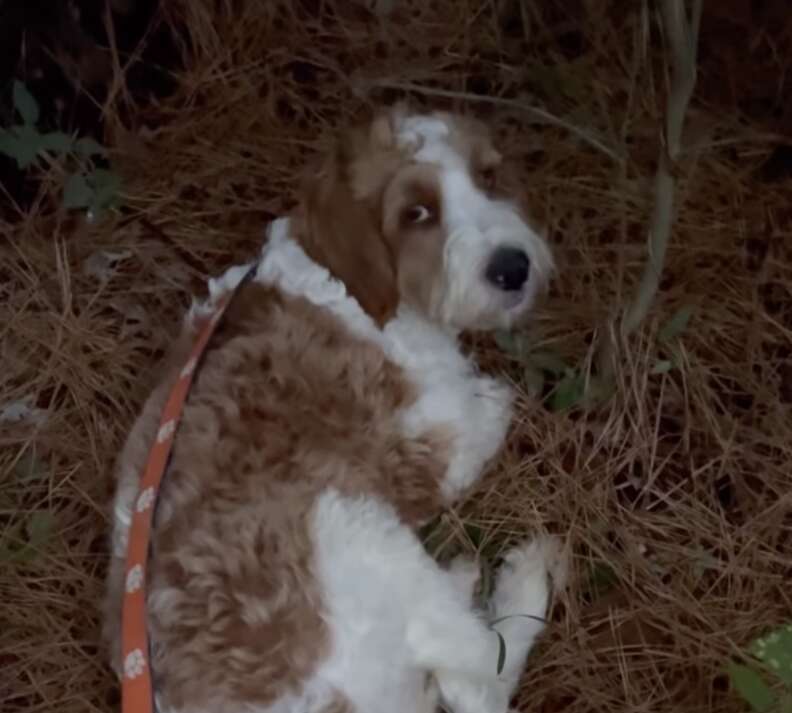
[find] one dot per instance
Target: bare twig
(681, 33)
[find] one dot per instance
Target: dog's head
(408, 210)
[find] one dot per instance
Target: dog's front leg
(465, 654)
(481, 426)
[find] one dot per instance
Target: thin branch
(682, 36)
(540, 115)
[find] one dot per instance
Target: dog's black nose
(508, 269)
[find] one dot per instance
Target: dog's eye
(417, 214)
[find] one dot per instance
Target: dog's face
(408, 211)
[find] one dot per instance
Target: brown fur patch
(286, 405)
(339, 221)
(419, 247)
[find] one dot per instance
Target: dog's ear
(340, 218)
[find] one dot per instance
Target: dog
(333, 415)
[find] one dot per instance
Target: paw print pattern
(134, 579)
(145, 500)
(134, 663)
(189, 368)
(166, 431)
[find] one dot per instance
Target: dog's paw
(526, 575)
(546, 554)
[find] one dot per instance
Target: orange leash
(137, 695)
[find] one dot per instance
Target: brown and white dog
(334, 414)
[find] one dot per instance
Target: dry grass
(675, 496)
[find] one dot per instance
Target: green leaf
(549, 362)
(87, 146)
(676, 325)
(10, 538)
(8, 142)
(105, 197)
(77, 193)
(39, 527)
(703, 560)
(506, 341)
(501, 653)
(662, 366)
(602, 579)
(29, 468)
(568, 392)
(515, 344)
(17, 546)
(56, 141)
(101, 178)
(25, 103)
(750, 685)
(22, 143)
(598, 390)
(106, 193)
(775, 651)
(107, 187)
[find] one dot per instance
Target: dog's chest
(476, 408)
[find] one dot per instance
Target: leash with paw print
(137, 693)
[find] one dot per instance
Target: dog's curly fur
(334, 414)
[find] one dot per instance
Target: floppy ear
(339, 224)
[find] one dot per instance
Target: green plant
(23, 541)
(502, 642)
(86, 186)
(667, 339)
(543, 369)
(765, 682)
(569, 386)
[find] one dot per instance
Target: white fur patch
(476, 408)
(451, 393)
(422, 132)
(286, 266)
(394, 615)
(475, 226)
(371, 568)
(123, 506)
(218, 287)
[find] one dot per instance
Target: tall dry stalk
(681, 34)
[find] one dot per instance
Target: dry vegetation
(674, 495)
